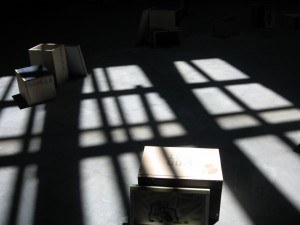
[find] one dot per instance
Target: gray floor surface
(71, 160)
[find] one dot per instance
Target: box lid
(181, 163)
(32, 72)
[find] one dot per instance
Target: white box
(184, 167)
(53, 57)
(154, 205)
(36, 84)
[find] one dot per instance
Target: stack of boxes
(51, 65)
(164, 25)
(177, 185)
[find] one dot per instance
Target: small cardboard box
(53, 57)
(292, 20)
(36, 84)
(184, 167)
(165, 19)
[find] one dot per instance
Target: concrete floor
(71, 160)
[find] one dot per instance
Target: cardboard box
(184, 167)
(36, 84)
(292, 20)
(165, 19)
(168, 205)
(53, 57)
(225, 27)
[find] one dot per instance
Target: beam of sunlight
(89, 114)
(13, 115)
(189, 74)
(7, 181)
(215, 101)
(141, 133)
(294, 136)
(102, 84)
(133, 109)
(127, 77)
(112, 113)
(87, 86)
(171, 129)
(10, 147)
(4, 86)
(27, 204)
(159, 108)
(281, 116)
(129, 166)
(231, 211)
(39, 119)
(219, 70)
(257, 96)
(35, 144)
(13, 90)
(276, 160)
(92, 138)
(98, 200)
(119, 135)
(232, 122)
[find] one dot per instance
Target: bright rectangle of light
(219, 70)
(112, 113)
(39, 119)
(171, 129)
(231, 210)
(100, 191)
(5, 82)
(119, 135)
(215, 101)
(133, 109)
(101, 82)
(141, 133)
(8, 88)
(10, 147)
(257, 96)
(277, 161)
(7, 183)
(89, 114)
(281, 116)
(129, 167)
(294, 136)
(13, 121)
(35, 144)
(160, 110)
(88, 86)
(27, 203)
(232, 122)
(92, 138)
(189, 74)
(127, 77)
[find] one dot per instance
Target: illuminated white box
(36, 84)
(53, 57)
(186, 168)
(154, 205)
